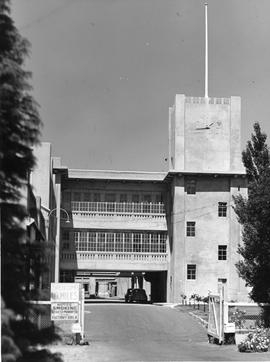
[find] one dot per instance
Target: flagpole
(206, 53)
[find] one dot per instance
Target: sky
(105, 72)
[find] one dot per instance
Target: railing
(84, 255)
(212, 100)
(118, 208)
(246, 316)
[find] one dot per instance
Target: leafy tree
(19, 132)
(254, 215)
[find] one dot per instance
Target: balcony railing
(118, 208)
(94, 256)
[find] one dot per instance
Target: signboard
(64, 311)
(65, 292)
(76, 328)
(65, 301)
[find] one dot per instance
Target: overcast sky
(106, 71)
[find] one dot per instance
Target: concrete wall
(42, 180)
(210, 231)
(42, 173)
(205, 135)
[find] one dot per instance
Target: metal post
(221, 314)
(82, 316)
(58, 221)
(206, 52)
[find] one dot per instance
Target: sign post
(67, 303)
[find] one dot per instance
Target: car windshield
(139, 291)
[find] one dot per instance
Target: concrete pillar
(177, 272)
(147, 287)
(179, 132)
(92, 285)
(140, 282)
(235, 140)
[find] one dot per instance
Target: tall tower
(205, 172)
(205, 135)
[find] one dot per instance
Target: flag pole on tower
(206, 53)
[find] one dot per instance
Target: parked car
(138, 295)
(127, 295)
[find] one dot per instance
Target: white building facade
(172, 233)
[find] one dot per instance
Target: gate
(216, 317)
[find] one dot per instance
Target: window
(77, 196)
(67, 276)
(222, 280)
(123, 197)
(127, 242)
(163, 243)
(146, 203)
(96, 197)
(110, 199)
(80, 238)
(190, 228)
(222, 252)
(65, 245)
(191, 187)
(66, 196)
(147, 198)
(83, 241)
(119, 242)
(65, 235)
(92, 244)
(137, 243)
(101, 241)
(154, 243)
(86, 196)
(76, 235)
(135, 198)
(110, 242)
(191, 271)
(145, 243)
(158, 198)
(222, 209)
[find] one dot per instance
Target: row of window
(192, 273)
(222, 255)
(116, 241)
(191, 186)
(111, 197)
(191, 225)
(117, 207)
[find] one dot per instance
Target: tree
(19, 132)
(254, 215)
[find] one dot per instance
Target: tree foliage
(254, 215)
(19, 132)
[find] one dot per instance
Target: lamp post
(67, 220)
(58, 211)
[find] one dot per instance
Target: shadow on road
(109, 300)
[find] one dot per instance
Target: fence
(41, 314)
(246, 316)
(226, 318)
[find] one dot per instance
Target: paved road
(125, 332)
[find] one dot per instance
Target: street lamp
(57, 239)
(67, 220)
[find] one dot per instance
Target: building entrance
(104, 284)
